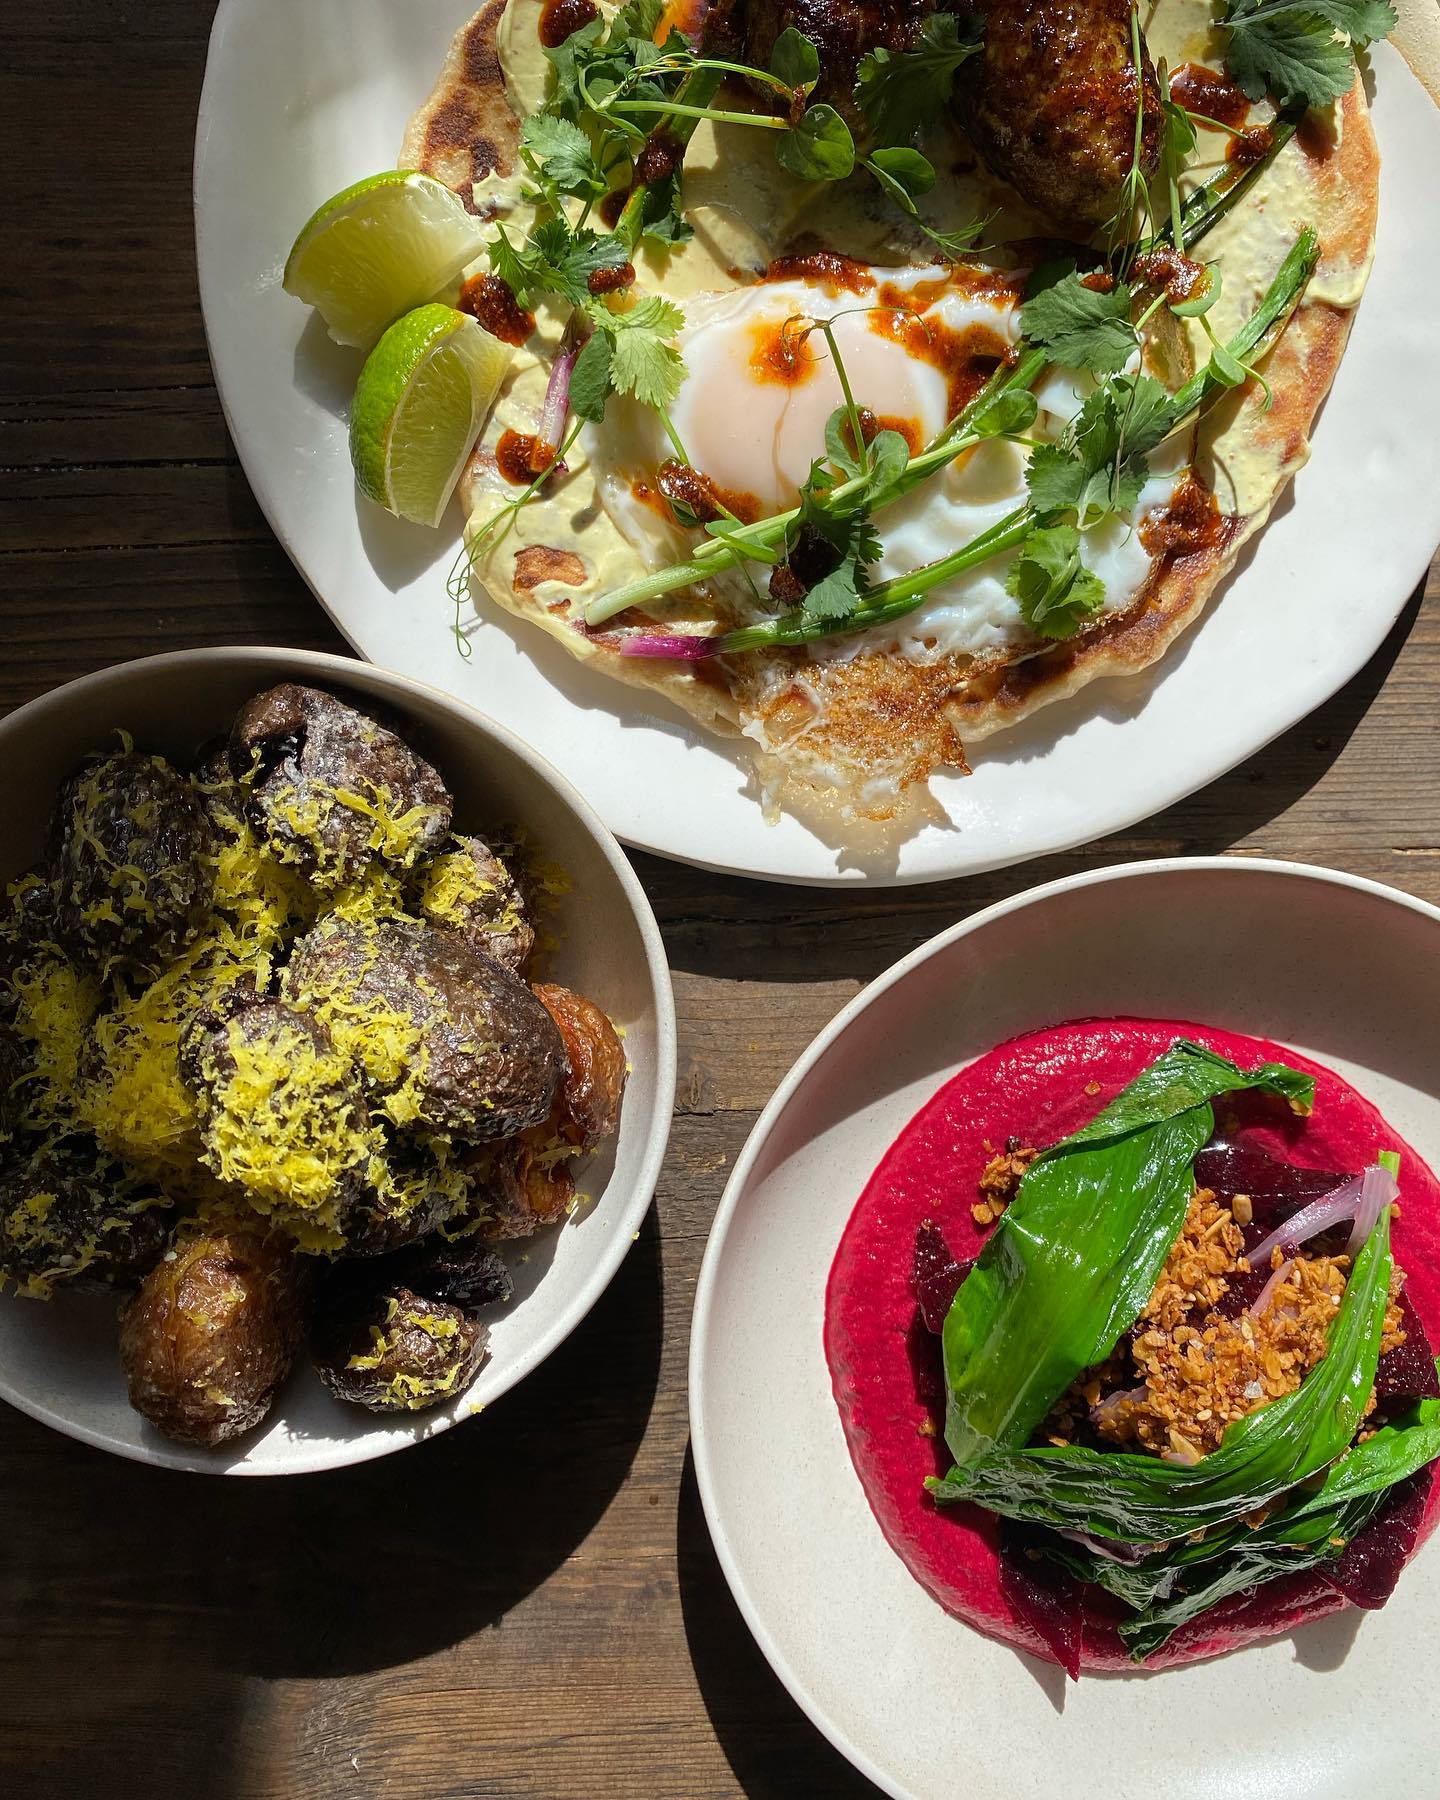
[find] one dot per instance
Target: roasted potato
(282, 1116)
(330, 789)
(410, 1190)
(469, 890)
(465, 1271)
(72, 1217)
(210, 1336)
(453, 1041)
(130, 863)
(587, 1109)
(395, 1351)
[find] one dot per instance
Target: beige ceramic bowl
(58, 1360)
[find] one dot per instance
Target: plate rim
(633, 1206)
(231, 15)
(763, 1128)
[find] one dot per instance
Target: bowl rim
(755, 1143)
(325, 666)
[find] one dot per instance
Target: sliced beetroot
(1049, 1599)
(925, 1366)
(1410, 1368)
(1367, 1571)
(935, 1275)
(1277, 1190)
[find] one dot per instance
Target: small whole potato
(396, 1351)
(211, 1334)
(587, 1108)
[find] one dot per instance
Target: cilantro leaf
(1099, 468)
(1082, 327)
(554, 260)
(590, 378)
(559, 155)
(636, 19)
(1291, 51)
(643, 360)
(901, 92)
(1057, 593)
(818, 148)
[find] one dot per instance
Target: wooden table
(528, 1606)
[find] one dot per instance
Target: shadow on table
(765, 932)
(148, 1601)
(773, 1749)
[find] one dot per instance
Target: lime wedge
(419, 405)
(378, 249)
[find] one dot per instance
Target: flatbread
(865, 732)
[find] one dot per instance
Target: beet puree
(1040, 1088)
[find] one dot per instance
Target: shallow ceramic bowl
(1343, 970)
(58, 1361)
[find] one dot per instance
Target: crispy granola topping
(1187, 1372)
(1001, 1179)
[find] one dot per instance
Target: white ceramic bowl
(58, 1361)
(1343, 970)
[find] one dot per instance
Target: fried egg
(914, 346)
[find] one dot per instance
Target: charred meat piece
(70, 1217)
(330, 789)
(395, 1351)
(282, 1116)
(1050, 102)
(452, 1040)
(843, 31)
(130, 871)
(210, 1336)
(588, 1107)
(469, 890)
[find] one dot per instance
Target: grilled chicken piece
(1049, 102)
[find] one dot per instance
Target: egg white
(758, 436)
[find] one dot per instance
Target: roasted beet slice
(1277, 1190)
(1409, 1369)
(935, 1275)
(1048, 1598)
(1367, 1571)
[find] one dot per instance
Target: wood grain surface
(528, 1606)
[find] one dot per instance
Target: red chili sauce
(560, 19)
(1040, 1088)
(493, 303)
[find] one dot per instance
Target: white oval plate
(1341, 969)
(301, 100)
(58, 1360)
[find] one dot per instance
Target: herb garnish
(1290, 48)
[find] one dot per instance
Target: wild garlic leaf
(1079, 1250)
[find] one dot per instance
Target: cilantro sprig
(1301, 50)
(903, 92)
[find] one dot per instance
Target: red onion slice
(554, 414)
(1320, 1215)
(1378, 1189)
(675, 647)
(1260, 1304)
